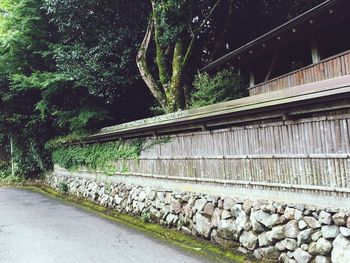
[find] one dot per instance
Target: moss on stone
(189, 243)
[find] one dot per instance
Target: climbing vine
(96, 157)
(101, 157)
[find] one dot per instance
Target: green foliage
(4, 170)
(171, 17)
(224, 86)
(178, 18)
(101, 157)
(6, 176)
(63, 187)
(96, 157)
(25, 76)
(99, 43)
(145, 217)
(157, 110)
(60, 141)
(37, 101)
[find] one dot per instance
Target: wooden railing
(329, 68)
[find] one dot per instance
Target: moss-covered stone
(201, 247)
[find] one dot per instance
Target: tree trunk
(171, 89)
(175, 94)
(141, 61)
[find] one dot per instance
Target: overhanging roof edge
(297, 20)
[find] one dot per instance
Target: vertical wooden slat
(330, 68)
(294, 140)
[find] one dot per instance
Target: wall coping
(307, 94)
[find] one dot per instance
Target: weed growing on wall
(145, 217)
(63, 187)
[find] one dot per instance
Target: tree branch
(206, 19)
(141, 61)
(221, 38)
(162, 65)
(188, 53)
(196, 32)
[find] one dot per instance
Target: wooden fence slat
(314, 151)
(332, 67)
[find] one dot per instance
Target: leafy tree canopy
(37, 101)
(99, 41)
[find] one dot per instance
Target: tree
(37, 101)
(99, 40)
(186, 34)
(175, 26)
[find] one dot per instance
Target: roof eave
(271, 34)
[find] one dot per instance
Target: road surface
(35, 228)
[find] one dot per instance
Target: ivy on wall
(101, 157)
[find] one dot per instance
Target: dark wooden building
(311, 47)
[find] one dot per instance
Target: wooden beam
(251, 78)
(315, 51)
(272, 65)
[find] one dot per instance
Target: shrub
(5, 170)
(6, 176)
(63, 187)
(224, 86)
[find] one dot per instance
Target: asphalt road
(37, 229)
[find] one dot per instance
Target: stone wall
(271, 230)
